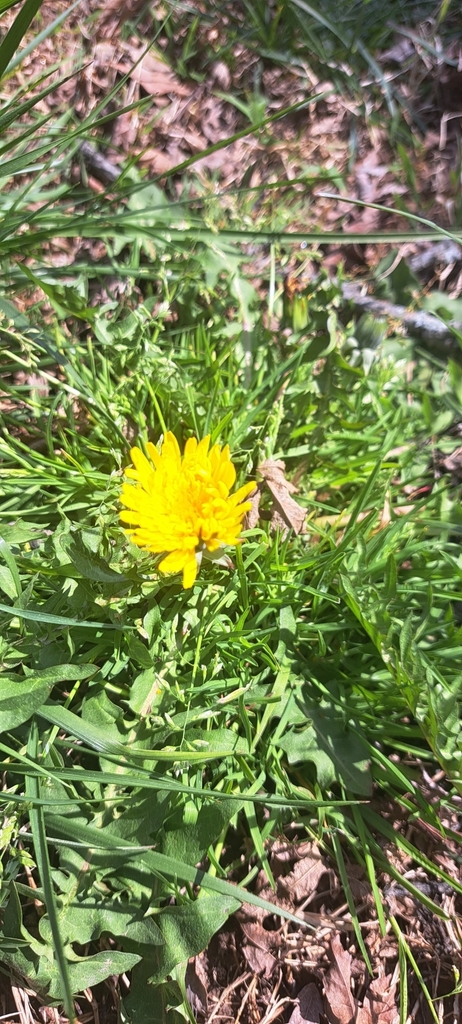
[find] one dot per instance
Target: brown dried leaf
(154, 76)
(115, 13)
(257, 951)
(160, 161)
(252, 516)
(289, 511)
(125, 131)
(258, 936)
(197, 983)
(260, 961)
(342, 1005)
(380, 1003)
(304, 879)
(310, 1006)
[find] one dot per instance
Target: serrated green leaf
(101, 839)
(90, 565)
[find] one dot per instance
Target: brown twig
(427, 328)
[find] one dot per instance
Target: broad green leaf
(20, 697)
(93, 969)
(190, 842)
(146, 1004)
(99, 839)
(144, 693)
(88, 915)
(338, 752)
(8, 557)
(187, 930)
(7, 583)
(89, 564)
(22, 955)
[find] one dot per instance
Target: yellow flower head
(181, 504)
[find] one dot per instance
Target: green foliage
(161, 713)
(145, 729)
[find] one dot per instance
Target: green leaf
(20, 532)
(144, 693)
(98, 739)
(93, 839)
(90, 565)
(148, 1005)
(20, 957)
(20, 698)
(338, 751)
(9, 310)
(94, 969)
(190, 842)
(6, 553)
(187, 930)
(89, 914)
(37, 824)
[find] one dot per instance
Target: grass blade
(39, 836)
(18, 29)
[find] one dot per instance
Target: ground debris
(285, 513)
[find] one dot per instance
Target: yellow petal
(175, 561)
(190, 572)
(153, 453)
(172, 502)
(171, 449)
(190, 446)
(240, 494)
(203, 445)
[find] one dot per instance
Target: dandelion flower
(181, 506)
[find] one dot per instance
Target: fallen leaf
(116, 13)
(337, 987)
(197, 980)
(252, 516)
(161, 161)
(257, 950)
(380, 1003)
(260, 962)
(303, 879)
(154, 75)
(125, 131)
(310, 1006)
(287, 513)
